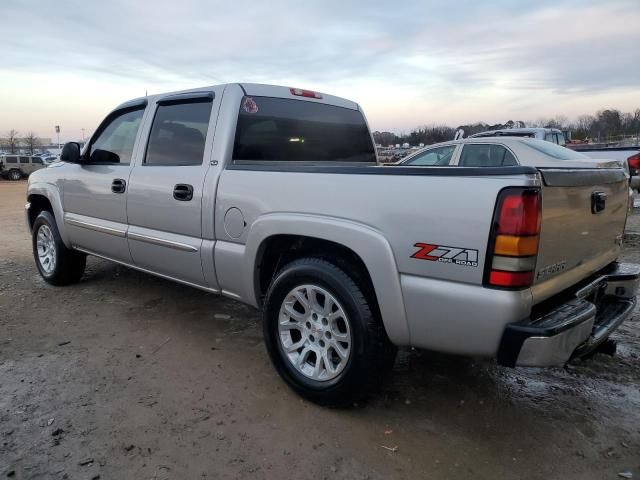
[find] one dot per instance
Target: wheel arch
(280, 236)
(44, 196)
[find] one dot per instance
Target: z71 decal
(441, 253)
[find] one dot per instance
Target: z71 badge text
(467, 257)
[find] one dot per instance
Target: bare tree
(32, 142)
(11, 141)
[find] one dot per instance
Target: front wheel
(322, 335)
(57, 264)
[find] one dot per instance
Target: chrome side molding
(118, 232)
(162, 242)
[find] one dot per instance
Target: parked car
(16, 167)
(272, 196)
(500, 152)
(630, 155)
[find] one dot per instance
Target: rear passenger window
(287, 130)
(178, 134)
(487, 155)
(24, 159)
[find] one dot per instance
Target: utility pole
(58, 133)
(82, 136)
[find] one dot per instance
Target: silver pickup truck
(272, 196)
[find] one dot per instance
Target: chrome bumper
(575, 326)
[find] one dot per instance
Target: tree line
(606, 125)
(12, 142)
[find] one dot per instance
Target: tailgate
(584, 211)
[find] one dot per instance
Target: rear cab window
(281, 130)
(24, 159)
(486, 155)
(11, 159)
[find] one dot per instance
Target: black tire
(15, 175)
(371, 355)
(69, 264)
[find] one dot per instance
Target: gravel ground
(129, 376)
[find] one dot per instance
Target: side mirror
(70, 152)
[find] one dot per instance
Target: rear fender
(369, 244)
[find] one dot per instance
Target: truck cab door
(95, 191)
(167, 189)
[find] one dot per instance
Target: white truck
(273, 196)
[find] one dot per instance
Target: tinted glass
(24, 159)
(435, 156)
(36, 160)
(178, 134)
(12, 159)
(277, 129)
(115, 143)
(488, 155)
(553, 150)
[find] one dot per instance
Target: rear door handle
(183, 192)
(118, 185)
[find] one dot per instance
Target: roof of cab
(255, 89)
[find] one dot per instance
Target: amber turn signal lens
(515, 246)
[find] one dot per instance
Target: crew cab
(272, 196)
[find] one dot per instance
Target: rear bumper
(573, 326)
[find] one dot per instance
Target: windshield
(553, 150)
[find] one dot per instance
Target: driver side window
(440, 156)
(115, 142)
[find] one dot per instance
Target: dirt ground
(127, 376)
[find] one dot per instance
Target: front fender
(369, 244)
(53, 194)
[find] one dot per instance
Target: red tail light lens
(510, 279)
(519, 212)
(511, 256)
(634, 161)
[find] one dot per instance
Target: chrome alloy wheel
(46, 249)
(314, 332)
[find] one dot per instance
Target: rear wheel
(321, 333)
(57, 264)
(15, 175)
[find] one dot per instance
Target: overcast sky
(407, 63)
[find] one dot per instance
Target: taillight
(305, 93)
(513, 246)
(634, 162)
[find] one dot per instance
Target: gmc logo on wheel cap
(467, 257)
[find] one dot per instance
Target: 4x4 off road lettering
(445, 254)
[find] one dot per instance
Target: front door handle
(183, 192)
(118, 185)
